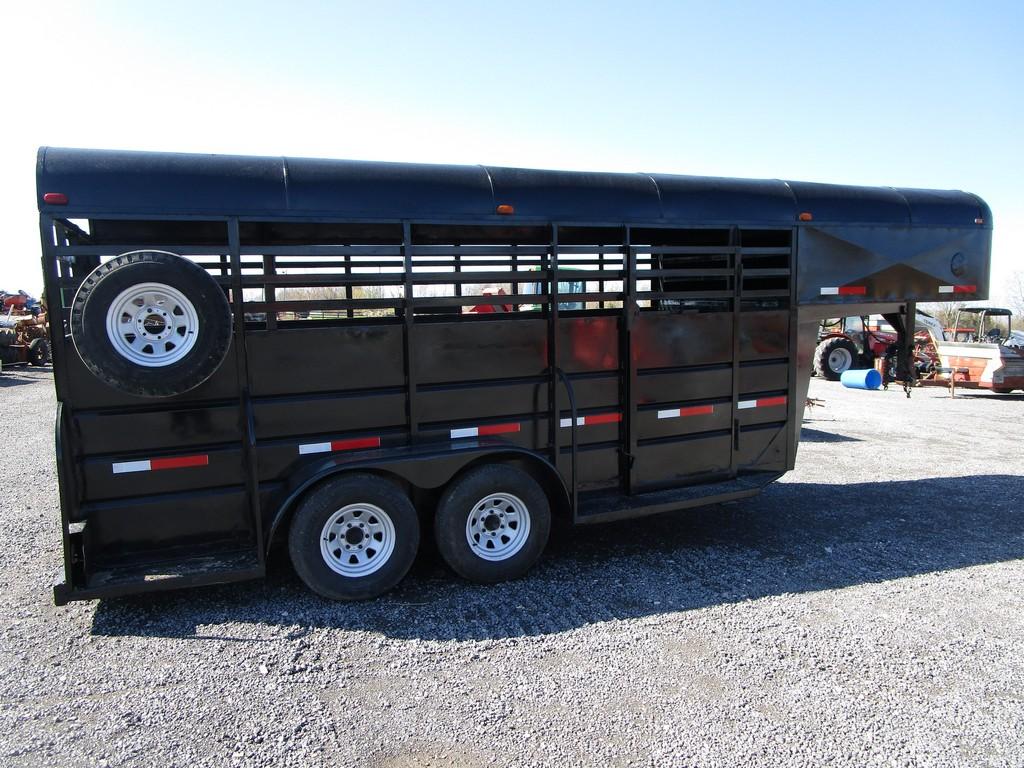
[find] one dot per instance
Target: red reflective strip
(697, 410)
(357, 442)
(853, 290)
(177, 462)
(764, 402)
(965, 289)
(497, 429)
(602, 418)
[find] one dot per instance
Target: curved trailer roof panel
(161, 183)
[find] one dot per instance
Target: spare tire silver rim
(152, 325)
(498, 526)
(357, 540)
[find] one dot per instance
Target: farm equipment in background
(977, 352)
(980, 353)
(20, 303)
(860, 340)
(24, 332)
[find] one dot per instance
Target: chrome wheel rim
(840, 360)
(498, 526)
(357, 540)
(152, 325)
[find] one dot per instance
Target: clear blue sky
(915, 94)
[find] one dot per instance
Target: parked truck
(250, 351)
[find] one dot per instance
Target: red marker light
(506, 210)
(805, 216)
(979, 220)
(55, 198)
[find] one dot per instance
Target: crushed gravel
(865, 610)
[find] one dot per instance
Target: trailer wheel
(833, 356)
(150, 323)
(39, 352)
(492, 523)
(354, 537)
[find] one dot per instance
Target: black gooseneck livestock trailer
(336, 354)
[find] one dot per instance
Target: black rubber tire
(825, 349)
(39, 352)
(105, 283)
(457, 504)
(313, 513)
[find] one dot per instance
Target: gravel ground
(866, 610)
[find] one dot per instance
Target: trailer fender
(427, 467)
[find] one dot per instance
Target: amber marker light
(506, 210)
(805, 216)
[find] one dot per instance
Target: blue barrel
(869, 378)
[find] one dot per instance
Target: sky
(893, 94)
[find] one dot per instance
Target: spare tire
(151, 323)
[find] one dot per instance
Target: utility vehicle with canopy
(983, 351)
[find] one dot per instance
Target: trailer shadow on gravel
(795, 537)
(808, 435)
(15, 376)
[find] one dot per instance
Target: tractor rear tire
(834, 356)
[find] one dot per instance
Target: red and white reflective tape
(958, 289)
(487, 429)
(762, 402)
(340, 445)
(692, 410)
(589, 421)
(152, 465)
(845, 290)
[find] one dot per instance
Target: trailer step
(606, 508)
(194, 571)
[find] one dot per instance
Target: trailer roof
(161, 183)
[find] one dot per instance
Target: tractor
(24, 333)
(859, 340)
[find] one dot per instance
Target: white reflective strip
(565, 423)
(467, 432)
(746, 404)
(945, 289)
(131, 466)
(580, 421)
(315, 448)
(671, 413)
(830, 291)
